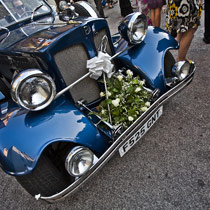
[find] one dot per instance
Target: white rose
(124, 87)
(116, 102)
(108, 93)
(144, 109)
(142, 82)
(129, 73)
(147, 104)
(102, 94)
(120, 77)
(130, 118)
(103, 111)
(137, 89)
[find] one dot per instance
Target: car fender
(147, 58)
(24, 135)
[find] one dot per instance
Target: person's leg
(152, 16)
(207, 20)
(125, 7)
(184, 40)
(109, 3)
(57, 4)
(99, 8)
(157, 16)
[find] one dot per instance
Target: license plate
(140, 133)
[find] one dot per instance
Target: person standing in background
(111, 3)
(125, 7)
(155, 7)
(99, 7)
(144, 9)
(182, 20)
(206, 37)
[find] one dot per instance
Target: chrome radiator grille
(72, 65)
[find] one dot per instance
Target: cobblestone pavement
(169, 169)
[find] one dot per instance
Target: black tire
(169, 61)
(45, 179)
(82, 11)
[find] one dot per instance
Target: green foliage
(127, 99)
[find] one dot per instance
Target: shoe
(110, 6)
(207, 41)
(115, 2)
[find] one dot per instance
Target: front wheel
(45, 179)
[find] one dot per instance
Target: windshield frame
(22, 19)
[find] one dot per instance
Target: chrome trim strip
(119, 142)
(71, 85)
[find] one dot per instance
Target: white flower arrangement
(125, 99)
(116, 102)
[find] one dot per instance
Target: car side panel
(24, 135)
(147, 58)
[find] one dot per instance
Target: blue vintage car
(48, 139)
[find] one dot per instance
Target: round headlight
(181, 69)
(78, 161)
(133, 28)
(33, 90)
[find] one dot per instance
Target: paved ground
(169, 169)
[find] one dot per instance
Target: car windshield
(12, 11)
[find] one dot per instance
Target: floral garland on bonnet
(126, 98)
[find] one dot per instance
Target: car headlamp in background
(78, 161)
(133, 28)
(33, 90)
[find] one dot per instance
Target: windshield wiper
(8, 33)
(34, 10)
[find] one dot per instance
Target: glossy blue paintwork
(24, 135)
(2, 96)
(32, 132)
(147, 58)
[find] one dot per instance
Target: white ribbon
(99, 64)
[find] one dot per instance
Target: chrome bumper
(119, 142)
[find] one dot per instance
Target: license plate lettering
(131, 141)
(137, 136)
(141, 132)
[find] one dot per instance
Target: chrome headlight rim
(70, 158)
(126, 28)
(19, 81)
(182, 69)
(131, 25)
